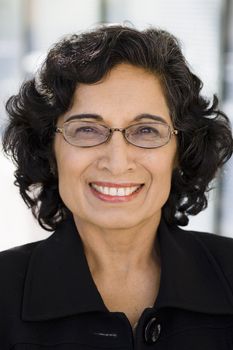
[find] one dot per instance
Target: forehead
(125, 92)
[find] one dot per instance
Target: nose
(117, 155)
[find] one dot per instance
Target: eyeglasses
(89, 134)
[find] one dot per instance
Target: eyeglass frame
(60, 130)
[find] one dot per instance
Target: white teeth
(121, 191)
(127, 191)
(111, 191)
(115, 191)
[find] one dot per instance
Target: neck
(120, 250)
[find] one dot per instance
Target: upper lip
(111, 184)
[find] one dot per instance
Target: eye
(86, 129)
(145, 129)
(81, 129)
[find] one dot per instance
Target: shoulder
(218, 247)
(13, 267)
(221, 248)
(16, 257)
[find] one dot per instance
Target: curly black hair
(204, 139)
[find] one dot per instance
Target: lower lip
(115, 199)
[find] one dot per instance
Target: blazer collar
(59, 283)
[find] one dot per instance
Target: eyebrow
(98, 117)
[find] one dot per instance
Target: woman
(115, 146)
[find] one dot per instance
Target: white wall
(17, 226)
(50, 20)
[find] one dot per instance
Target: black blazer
(48, 300)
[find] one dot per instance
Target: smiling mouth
(116, 191)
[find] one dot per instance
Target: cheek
(160, 165)
(160, 186)
(70, 168)
(68, 158)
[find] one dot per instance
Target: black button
(152, 331)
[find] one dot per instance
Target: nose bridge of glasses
(121, 130)
(117, 129)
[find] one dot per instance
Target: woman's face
(125, 93)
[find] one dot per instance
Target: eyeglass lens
(84, 134)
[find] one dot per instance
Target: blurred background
(28, 28)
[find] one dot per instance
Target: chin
(114, 222)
